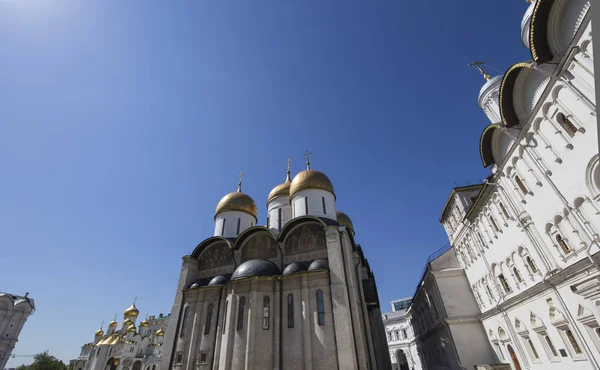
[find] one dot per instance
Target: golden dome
(131, 329)
(280, 190)
(160, 333)
(344, 220)
(237, 201)
(131, 311)
(127, 322)
(99, 333)
(113, 323)
(145, 323)
(310, 179)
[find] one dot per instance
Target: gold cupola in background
(281, 189)
(132, 311)
(99, 332)
(160, 332)
(344, 220)
(131, 329)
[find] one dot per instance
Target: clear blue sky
(124, 123)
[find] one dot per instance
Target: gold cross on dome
(134, 300)
(307, 156)
(478, 65)
(289, 162)
(241, 175)
(101, 325)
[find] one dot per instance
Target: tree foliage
(44, 361)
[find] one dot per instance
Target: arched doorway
(513, 357)
(401, 360)
(137, 365)
(111, 363)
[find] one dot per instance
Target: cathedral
(126, 347)
(527, 237)
(297, 293)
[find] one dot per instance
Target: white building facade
(14, 312)
(128, 347)
(401, 337)
(528, 236)
(297, 293)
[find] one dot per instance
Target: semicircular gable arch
(538, 32)
(288, 227)
(257, 243)
(207, 242)
(485, 145)
(508, 112)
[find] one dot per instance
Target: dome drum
(230, 224)
(313, 202)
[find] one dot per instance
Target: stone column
(196, 330)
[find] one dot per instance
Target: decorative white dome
(489, 99)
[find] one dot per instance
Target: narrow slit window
(494, 225)
(573, 342)
(533, 350)
(279, 221)
(562, 243)
(504, 283)
(186, 314)
(503, 209)
(306, 205)
(566, 124)
(521, 185)
(320, 308)
(268, 222)
(241, 310)
(290, 311)
(324, 208)
(223, 227)
(208, 322)
(551, 346)
(238, 226)
(225, 317)
(266, 307)
(531, 265)
(517, 275)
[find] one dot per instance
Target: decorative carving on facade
(260, 245)
(216, 255)
(305, 239)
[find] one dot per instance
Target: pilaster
(344, 334)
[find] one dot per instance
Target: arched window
(517, 275)
(186, 313)
(320, 308)
(573, 342)
(241, 310)
(531, 265)
(503, 209)
(521, 185)
(550, 345)
(290, 311)
(533, 350)
(493, 223)
(225, 317)
(266, 306)
(504, 283)
(566, 124)
(207, 324)
(562, 243)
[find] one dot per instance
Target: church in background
(14, 312)
(527, 237)
(125, 346)
(296, 293)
